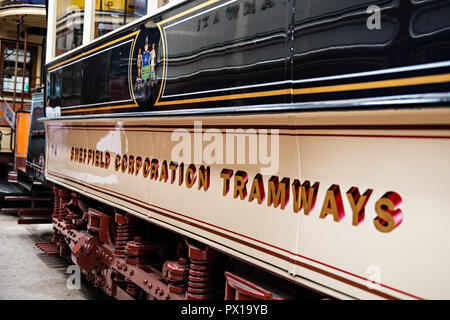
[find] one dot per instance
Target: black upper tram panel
(206, 54)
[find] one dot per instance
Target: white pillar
(152, 5)
(89, 21)
(38, 65)
(51, 31)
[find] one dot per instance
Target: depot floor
(28, 273)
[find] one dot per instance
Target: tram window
(234, 46)
(69, 25)
(8, 69)
(332, 37)
(111, 14)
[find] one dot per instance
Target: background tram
(22, 70)
(251, 149)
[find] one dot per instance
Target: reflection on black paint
(239, 44)
(108, 76)
(332, 38)
(70, 84)
(253, 46)
(432, 19)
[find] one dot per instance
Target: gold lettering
(90, 156)
(181, 174)
(257, 191)
(304, 196)
(102, 162)
(240, 185)
(173, 167)
(131, 164)
(146, 168)
(226, 176)
(116, 163)
(124, 163)
(203, 178)
(138, 164)
(278, 192)
(154, 169)
(358, 204)
(164, 173)
(97, 158)
(389, 216)
(333, 204)
(191, 175)
(107, 159)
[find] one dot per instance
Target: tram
(254, 149)
(22, 33)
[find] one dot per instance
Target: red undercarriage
(109, 252)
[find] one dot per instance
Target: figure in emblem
(145, 86)
(139, 63)
(145, 69)
(139, 67)
(153, 62)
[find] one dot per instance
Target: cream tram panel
(412, 163)
(6, 137)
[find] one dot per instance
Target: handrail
(15, 3)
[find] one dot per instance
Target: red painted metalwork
(120, 263)
(55, 203)
(177, 275)
(55, 215)
(99, 223)
(27, 203)
(238, 288)
(34, 220)
(63, 200)
(136, 251)
(74, 212)
(201, 273)
(124, 233)
(84, 252)
(100, 264)
(34, 216)
(48, 247)
(26, 198)
(31, 212)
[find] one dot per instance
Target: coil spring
(135, 252)
(200, 285)
(178, 274)
(124, 234)
(62, 204)
(56, 203)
